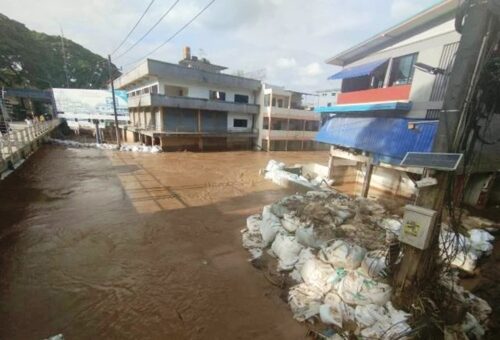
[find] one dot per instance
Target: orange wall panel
(401, 92)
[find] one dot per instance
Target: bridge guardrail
(16, 139)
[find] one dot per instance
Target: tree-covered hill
(33, 59)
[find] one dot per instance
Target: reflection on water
(99, 244)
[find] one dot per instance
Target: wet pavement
(101, 244)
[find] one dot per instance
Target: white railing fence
(17, 139)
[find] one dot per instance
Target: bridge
(20, 142)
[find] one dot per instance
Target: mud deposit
(108, 245)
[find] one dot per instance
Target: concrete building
(392, 92)
(190, 105)
(283, 123)
(327, 97)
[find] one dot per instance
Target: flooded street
(109, 245)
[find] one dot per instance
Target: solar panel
(432, 160)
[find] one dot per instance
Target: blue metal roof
(358, 71)
(387, 139)
(385, 106)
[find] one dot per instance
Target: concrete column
(367, 180)
(199, 121)
(330, 164)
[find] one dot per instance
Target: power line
(149, 31)
(174, 35)
(135, 26)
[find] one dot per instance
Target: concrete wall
(231, 116)
(429, 46)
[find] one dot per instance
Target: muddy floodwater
(108, 245)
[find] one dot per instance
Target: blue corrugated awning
(358, 71)
(387, 139)
(385, 106)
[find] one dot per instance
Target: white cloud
(285, 63)
(311, 70)
(287, 38)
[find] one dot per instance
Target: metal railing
(18, 138)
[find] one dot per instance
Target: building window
(240, 123)
(279, 124)
(296, 125)
(265, 123)
(267, 99)
(154, 89)
(240, 98)
(402, 69)
(333, 94)
(312, 125)
(280, 102)
(217, 95)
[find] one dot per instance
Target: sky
(284, 41)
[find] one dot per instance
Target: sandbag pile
(464, 251)
(322, 240)
(333, 247)
(105, 146)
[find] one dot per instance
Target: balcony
(290, 135)
(191, 103)
(385, 94)
(281, 112)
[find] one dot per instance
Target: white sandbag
(287, 250)
(335, 311)
(304, 301)
(255, 253)
(373, 264)
(478, 307)
(269, 226)
(342, 254)
(273, 165)
(291, 223)
(304, 255)
(314, 236)
(316, 273)
(391, 224)
(252, 240)
(481, 240)
(368, 315)
(253, 223)
(472, 328)
(337, 277)
(357, 289)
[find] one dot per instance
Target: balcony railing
(191, 103)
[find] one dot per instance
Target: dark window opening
(154, 89)
(240, 98)
(372, 81)
(296, 125)
(217, 95)
(265, 123)
(241, 123)
(402, 70)
(279, 124)
(312, 125)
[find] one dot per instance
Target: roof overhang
(421, 22)
(401, 106)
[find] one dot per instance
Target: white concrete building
(190, 105)
(326, 97)
(284, 124)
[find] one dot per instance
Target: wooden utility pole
(418, 267)
(114, 101)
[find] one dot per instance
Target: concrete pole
(418, 267)
(114, 101)
(367, 179)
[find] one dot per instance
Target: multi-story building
(393, 87)
(190, 105)
(327, 97)
(284, 124)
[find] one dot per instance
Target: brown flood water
(105, 245)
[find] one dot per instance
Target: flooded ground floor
(113, 245)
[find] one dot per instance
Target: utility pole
(114, 101)
(418, 267)
(65, 63)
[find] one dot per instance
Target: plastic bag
(304, 301)
(316, 273)
(335, 311)
(287, 250)
(358, 289)
(253, 223)
(342, 254)
(270, 225)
